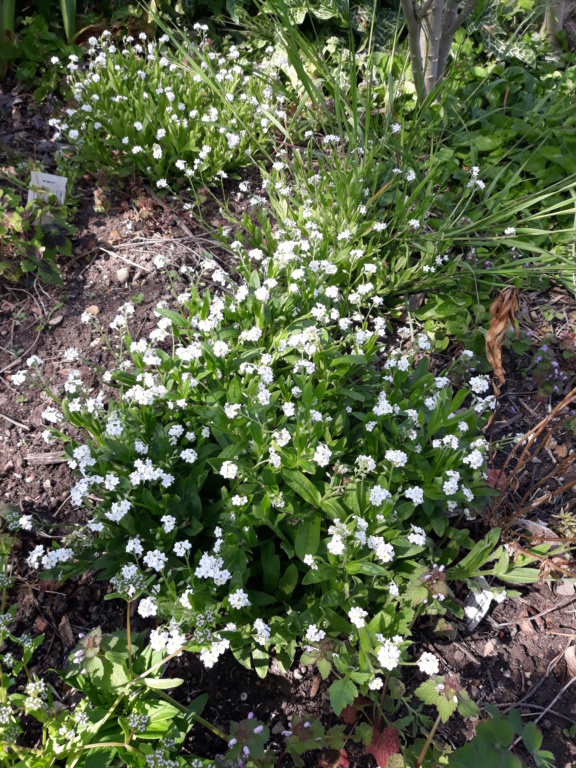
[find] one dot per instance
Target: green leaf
(261, 661)
(349, 360)
(427, 692)
(303, 486)
(342, 693)
(324, 667)
(307, 536)
(160, 683)
(532, 738)
(368, 569)
(477, 556)
(446, 708)
(289, 580)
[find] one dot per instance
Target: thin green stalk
(128, 604)
(198, 718)
(427, 743)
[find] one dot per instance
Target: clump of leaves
(493, 740)
(32, 236)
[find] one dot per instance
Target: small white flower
(429, 664)
(229, 470)
(357, 616)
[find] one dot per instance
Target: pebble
(123, 275)
(458, 656)
(297, 674)
(565, 588)
(243, 696)
(507, 673)
(546, 723)
(278, 728)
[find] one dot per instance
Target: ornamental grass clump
(266, 472)
(139, 109)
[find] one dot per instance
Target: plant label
(54, 185)
(477, 603)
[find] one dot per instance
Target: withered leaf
(503, 311)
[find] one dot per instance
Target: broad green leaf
(307, 536)
(302, 485)
(161, 683)
(342, 693)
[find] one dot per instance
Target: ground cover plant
(274, 415)
(139, 111)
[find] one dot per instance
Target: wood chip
(66, 632)
(570, 656)
(46, 458)
(315, 685)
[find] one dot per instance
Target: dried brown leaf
(502, 310)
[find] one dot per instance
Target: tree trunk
(554, 20)
(432, 26)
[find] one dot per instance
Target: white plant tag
(55, 185)
(477, 603)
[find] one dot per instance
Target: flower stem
(427, 744)
(382, 697)
(128, 604)
(197, 718)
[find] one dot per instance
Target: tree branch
(423, 10)
(462, 16)
(414, 44)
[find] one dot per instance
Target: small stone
(95, 342)
(507, 673)
(93, 310)
(547, 724)
(243, 696)
(489, 648)
(56, 320)
(458, 656)
(278, 728)
(297, 674)
(565, 588)
(123, 275)
(47, 484)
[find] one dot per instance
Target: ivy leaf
(324, 667)
(342, 693)
(466, 707)
(446, 708)
(427, 692)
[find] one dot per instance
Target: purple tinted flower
(246, 751)
(250, 715)
(232, 742)
(259, 729)
(544, 347)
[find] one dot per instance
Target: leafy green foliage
(492, 741)
(32, 236)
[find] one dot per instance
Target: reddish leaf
(350, 713)
(496, 479)
(384, 744)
